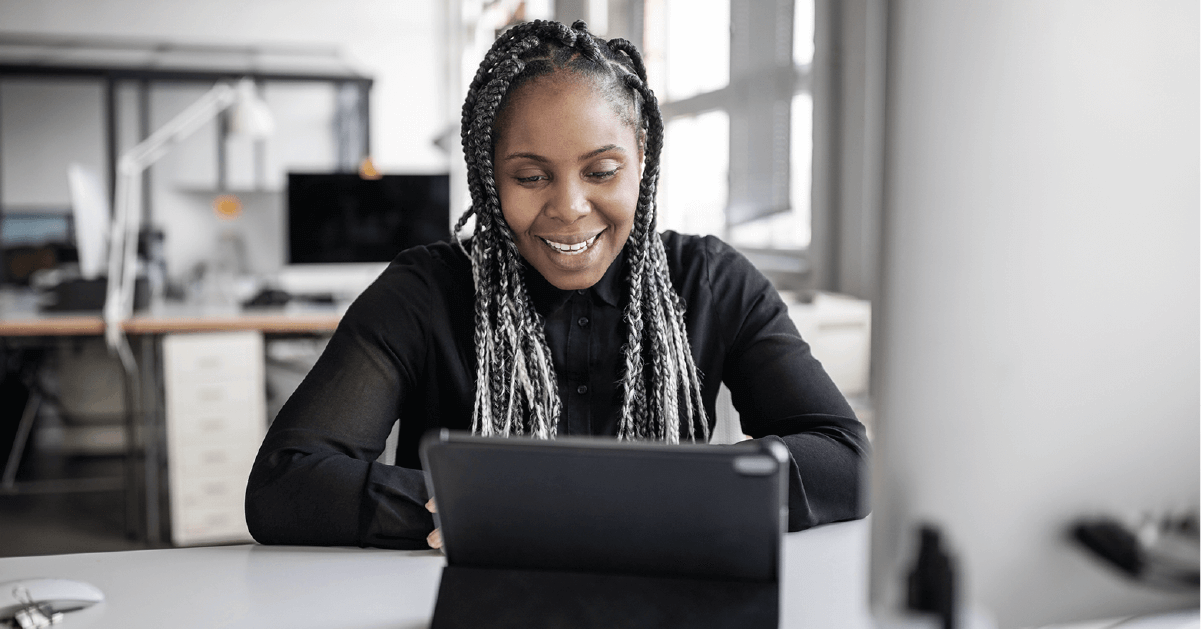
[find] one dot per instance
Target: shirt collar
(548, 298)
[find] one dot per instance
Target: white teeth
(571, 250)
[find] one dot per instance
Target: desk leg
(32, 404)
(150, 380)
(133, 500)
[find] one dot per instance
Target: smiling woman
(565, 313)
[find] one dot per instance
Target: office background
(751, 183)
(798, 178)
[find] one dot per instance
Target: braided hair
(515, 380)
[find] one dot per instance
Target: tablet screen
(599, 505)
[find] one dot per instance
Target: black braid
(515, 381)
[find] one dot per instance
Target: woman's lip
(572, 250)
(574, 239)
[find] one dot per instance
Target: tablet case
(592, 532)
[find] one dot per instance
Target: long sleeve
(316, 479)
(780, 390)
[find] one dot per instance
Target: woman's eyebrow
(586, 156)
(530, 156)
(603, 149)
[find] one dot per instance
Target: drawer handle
(212, 424)
(211, 394)
(210, 362)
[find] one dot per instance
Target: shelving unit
(121, 74)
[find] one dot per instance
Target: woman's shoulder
(687, 253)
(441, 264)
(438, 258)
(422, 277)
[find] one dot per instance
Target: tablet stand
(524, 599)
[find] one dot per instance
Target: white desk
(291, 587)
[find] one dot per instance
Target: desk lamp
(249, 116)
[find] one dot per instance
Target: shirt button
(582, 389)
(583, 321)
(582, 291)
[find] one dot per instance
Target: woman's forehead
(548, 115)
(564, 87)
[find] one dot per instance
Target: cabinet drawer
(213, 357)
(198, 526)
(197, 399)
(217, 460)
(223, 492)
(215, 428)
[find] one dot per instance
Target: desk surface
(824, 584)
(19, 316)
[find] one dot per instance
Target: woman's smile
(561, 245)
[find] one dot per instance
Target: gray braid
(516, 385)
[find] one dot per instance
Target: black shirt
(405, 350)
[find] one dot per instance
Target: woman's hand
(434, 539)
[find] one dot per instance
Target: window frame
(760, 180)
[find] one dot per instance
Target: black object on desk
(276, 298)
(83, 295)
(582, 532)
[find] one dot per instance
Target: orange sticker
(367, 169)
(228, 206)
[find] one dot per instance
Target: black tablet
(600, 505)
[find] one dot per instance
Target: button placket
(579, 349)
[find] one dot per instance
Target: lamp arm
(127, 218)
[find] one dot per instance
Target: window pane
(697, 49)
(695, 174)
(802, 32)
(791, 229)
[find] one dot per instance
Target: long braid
(516, 385)
(682, 388)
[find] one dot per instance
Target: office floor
(51, 524)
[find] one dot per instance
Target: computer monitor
(342, 217)
(343, 229)
(1037, 342)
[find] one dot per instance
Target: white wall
(35, 165)
(1039, 327)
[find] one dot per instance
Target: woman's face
(567, 170)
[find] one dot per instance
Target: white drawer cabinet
(216, 416)
(838, 329)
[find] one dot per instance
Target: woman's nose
(569, 202)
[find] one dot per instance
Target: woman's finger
(430, 506)
(434, 539)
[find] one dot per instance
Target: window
(733, 80)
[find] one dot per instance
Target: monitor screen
(342, 217)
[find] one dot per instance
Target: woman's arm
(316, 479)
(782, 392)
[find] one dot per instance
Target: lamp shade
(249, 115)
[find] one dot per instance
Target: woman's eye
(602, 174)
(529, 178)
